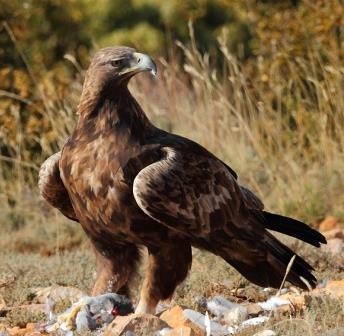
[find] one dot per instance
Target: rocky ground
(220, 308)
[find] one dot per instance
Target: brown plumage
(130, 184)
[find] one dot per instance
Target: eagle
(132, 185)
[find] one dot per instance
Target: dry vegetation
(281, 129)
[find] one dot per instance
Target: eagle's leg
(115, 267)
(168, 266)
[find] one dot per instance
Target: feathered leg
(168, 266)
(115, 267)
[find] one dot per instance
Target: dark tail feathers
(293, 228)
(269, 272)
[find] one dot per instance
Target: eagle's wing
(198, 196)
(251, 200)
(52, 188)
(193, 194)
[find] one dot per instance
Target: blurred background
(258, 82)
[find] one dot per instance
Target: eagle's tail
(269, 271)
(293, 228)
(265, 262)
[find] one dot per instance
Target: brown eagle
(130, 184)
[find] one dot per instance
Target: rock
(32, 326)
(334, 233)
(176, 317)
(196, 321)
(161, 307)
(184, 331)
(57, 293)
(266, 332)
(334, 246)
(284, 291)
(335, 288)
(235, 315)
(297, 300)
(273, 303)
(329, 223)
(253, 309)
(254, 321)
(219, 306)
(163, 332)
(137, 324)
(16, 331)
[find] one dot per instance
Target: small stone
(219, 306)
(287, 308)
(334, 246)
(334, 233)
(16, 331)
(164, 331)
(228, 283)
(235, 315)
(254, 321)
(298, 301)
(161, 307)
(137, 324)
(254, 309)
(328, 224)
(266, 332)
(335, 288)
(31, 326)
(196, 321)
(273, 303)
(240, 291)
(174, 317)
(184, 331)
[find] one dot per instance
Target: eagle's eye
(116, 62)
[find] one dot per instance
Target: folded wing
(52, 188)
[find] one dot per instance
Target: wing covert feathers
(198, 197)
(52, 188)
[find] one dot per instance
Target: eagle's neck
(116, 110)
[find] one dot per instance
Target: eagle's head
(114, 66)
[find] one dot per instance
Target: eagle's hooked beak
(140, 62)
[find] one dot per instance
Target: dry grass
(282, 130)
